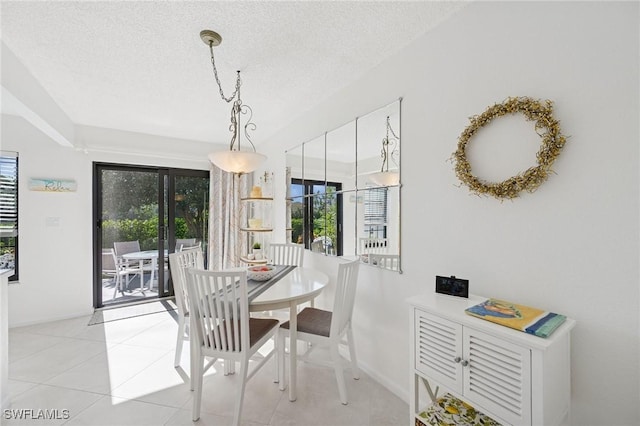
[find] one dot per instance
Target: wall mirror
(343, 190)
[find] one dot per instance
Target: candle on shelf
(256, 192)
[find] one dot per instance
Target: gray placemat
(256, 288)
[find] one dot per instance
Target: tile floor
(122, 373)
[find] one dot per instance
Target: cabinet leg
(433, 395)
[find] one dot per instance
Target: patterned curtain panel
(226, 215)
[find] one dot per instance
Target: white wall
(571, 247)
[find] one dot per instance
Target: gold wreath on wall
(547, 127)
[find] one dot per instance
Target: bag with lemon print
(450, 411)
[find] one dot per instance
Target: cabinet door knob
(457, 359)
(465, 363)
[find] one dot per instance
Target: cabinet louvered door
(498, 376)
(438, 344)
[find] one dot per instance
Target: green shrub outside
(145, 231)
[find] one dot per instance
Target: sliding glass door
(142, 214)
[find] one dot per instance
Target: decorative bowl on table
(261, 272)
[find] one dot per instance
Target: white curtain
(226, 216)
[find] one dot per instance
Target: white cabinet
(513, 377)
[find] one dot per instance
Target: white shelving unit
(259, 225)
(513, 377)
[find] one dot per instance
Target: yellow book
(524, 318)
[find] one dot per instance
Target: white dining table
(300, 285)
(142, 257)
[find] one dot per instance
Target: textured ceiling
(141, 66)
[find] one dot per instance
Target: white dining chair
(184, 242)
(184, 247)
(385, 261)
(178, 264)
(219, 310)
(117, 269)
(286, 254)
(373, 245)
(328, 328)
(125, 247)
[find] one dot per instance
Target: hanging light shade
(235, 159)
(386, 177)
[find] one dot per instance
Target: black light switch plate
(452, 286)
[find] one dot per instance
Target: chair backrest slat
(287, 254)
(179, 263)
(220, 308)
(346, 284)
(373, 245)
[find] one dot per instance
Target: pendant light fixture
(388, 153)
(235, 159)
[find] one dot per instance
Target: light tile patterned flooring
(122, 373)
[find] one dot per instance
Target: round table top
(146, 254)
(300, 285)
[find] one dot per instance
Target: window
(375, 213)
(316, 215)
(9, 212)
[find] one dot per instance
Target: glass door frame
(166, 220)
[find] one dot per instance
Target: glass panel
(379, 147)
(190, 217)
(351, 201)
(129, 214)
(191, 220)
(314, 160)
(321, 242)
(294, 161)
(297, 214)
(378, 227)
(333, 210)
(341, 156)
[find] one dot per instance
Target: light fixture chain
(215, 73)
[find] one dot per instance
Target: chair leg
(280, 345)
(337, 367)
(352, 354)
(116, 278)
(244, 366)
(276, 349)
(193, 350)
(180, 341)
(196, 379)
(229, 367)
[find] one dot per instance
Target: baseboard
(51, 319)
(400, 392)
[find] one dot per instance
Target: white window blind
(375, 206)
(9, 212)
